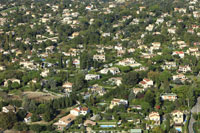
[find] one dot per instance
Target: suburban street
(195, 109)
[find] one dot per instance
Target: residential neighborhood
(100, 66)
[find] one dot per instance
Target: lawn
(196, 127)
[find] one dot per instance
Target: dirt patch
(39, 96)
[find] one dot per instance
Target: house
(150, 27)
(159, 20)
(106, 34)
(101, 57)
(97, 89)
(27, 119)
(12, 81)
(89, 122)
(45, 73)
(137, 90)
(28, 65)
(112, 70)
(196, 14)
(193, 51)
(184, 69)
(8, 108)
(147, 55)
(92, 77)
(120, 53)
(146, 83)
(67, 87)
(137, 107)
(116, 80)
(50, 49)
(65, 122)
(2, 68)
(75, 34)
(116, 102)
(180, 77)
(76, 62)
(169, 96)
(79, 111)
(129, 62)
(177, 116)
(156, 45)
(154, 116)
(172, 30)
(118, 47)
(169, 65)
(179, 53)
(131, 50)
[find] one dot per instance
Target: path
(195, 109)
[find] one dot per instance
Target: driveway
(195, 109)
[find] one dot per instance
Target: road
(195, 109)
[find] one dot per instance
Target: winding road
(195, 109)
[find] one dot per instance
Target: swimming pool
(107, 126)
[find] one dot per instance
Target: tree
(165, 76)
(20, 115)
(15, 85)
(47, 116)
(37, 128)
(130, 78)
(167, 123)
(149, 97)
(21, 126)
(7, 120)
(35, 117)
(79, 81)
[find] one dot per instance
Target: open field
(39, 96)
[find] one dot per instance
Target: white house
(8, 108)
(116, 80)
(112, 70)
(116, 102)
(27, 119)
(180, 77)
(185, 69)
(154, 116)
(178, 116)
(101, 57)
(137, 90)
(67, 86)
(92, 77)
(169, 65)
(179, 53)
(146, 83)
(65, 122)
(12, 80)
(172, 30)
(169, 96)
(79, 111)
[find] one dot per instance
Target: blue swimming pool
(107, 126)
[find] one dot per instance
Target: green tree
(21, 126)
(149, 97)
(35, 117)
(37, 128)
(47, 116)
(7, 120)
(79, 82)
(130, 78)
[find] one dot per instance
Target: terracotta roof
(29, 115)
(175, 111)
(142, 82)
(84, 109)
(67, 119)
